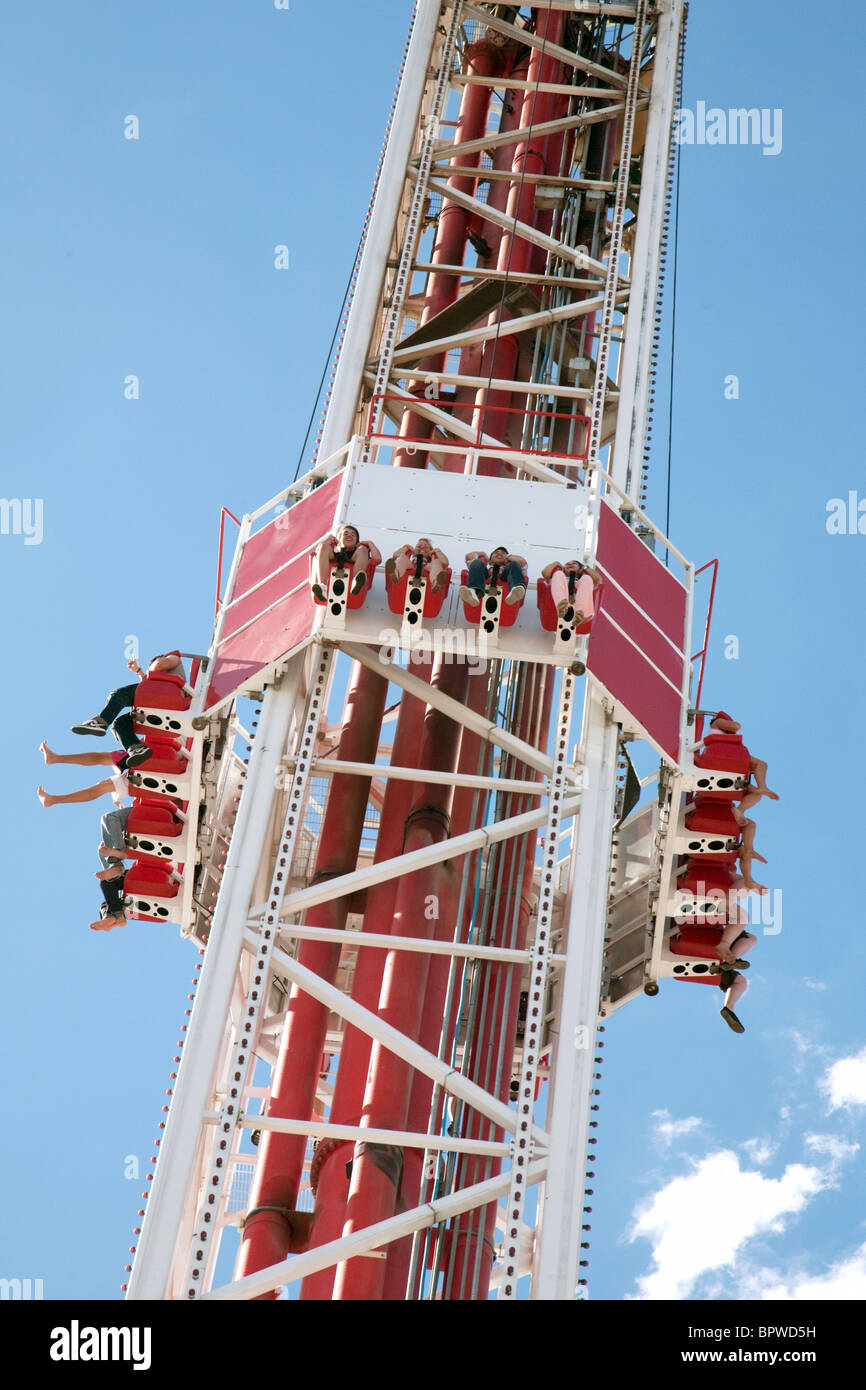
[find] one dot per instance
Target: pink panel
(295, 530)
(623, 555)
(630, 678)
(263, 624)
(650, 641)
(295, 575)
(277, 632)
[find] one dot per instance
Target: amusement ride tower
(404, 836)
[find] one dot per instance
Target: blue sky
(155, 258)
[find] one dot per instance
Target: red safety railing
(699, 724)
(460, 445)
(224, 512)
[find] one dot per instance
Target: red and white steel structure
(407, 901)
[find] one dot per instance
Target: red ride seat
(149, 880)
(701, 942)
(547, 608)
(354, 600)
(165, 759)
(724, 753)
(161, 691)
(144, 882)
(716, 819)
(708, 882)
(154, 818)
(507, 612)
(397, 594)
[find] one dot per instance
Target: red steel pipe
(374, 1187)
(267, 1231)
(332, 1183)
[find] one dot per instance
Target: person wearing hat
(486, 572)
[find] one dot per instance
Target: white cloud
(844, 1280)
(814, 984)
(699, 1222)
(836, 1149)
(667, 1130)
(845, 1081)
(760, 1151)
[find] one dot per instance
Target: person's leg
(476, 582)
(735, 987)
(584, 604)
(397, 566)
(436, 574)
(514, 578)
(559, 588)
(361, 560)
(113, 828)
(118, 700)
(82, 759)
(324, 560)
(112, 892)
(759, 772)
(736, 991)
(477, 575)
(109, 921)
(734, 943)
(124, 731)
(86, 794)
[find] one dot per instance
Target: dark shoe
(97, 726)
(319, 593)
(358, 582)
(138, 754)
(740, 964)
(732, 1021)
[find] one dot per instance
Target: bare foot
(110, 853)
(48, 755)
(44, 797)
(109, 923)
(751, 886)
(765, 791)
(106, 875)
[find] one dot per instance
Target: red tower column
(375, 1182)
(329, 1165)
(267, 1231)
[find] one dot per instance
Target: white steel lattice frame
(176, 1234)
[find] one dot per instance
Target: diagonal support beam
(429, 695)
(545, 318)
(450, 425)
(558, 249)
(550, 50)
(485, 143)
(371, 1237)
(386, 869)
(406, 1048)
